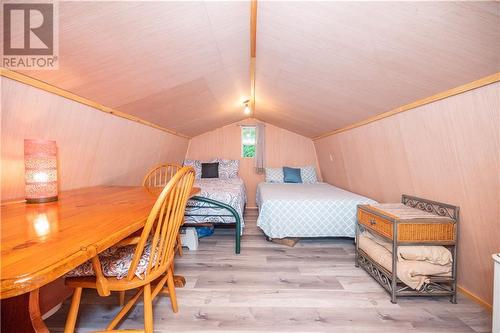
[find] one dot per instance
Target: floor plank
(312, 287)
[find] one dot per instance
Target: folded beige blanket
(438, 255)
(413, 273)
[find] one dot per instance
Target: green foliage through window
(248, 141)
(248, 151)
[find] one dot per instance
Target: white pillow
(308, 175)
(228, 168)
(274, 175)
(196, 166)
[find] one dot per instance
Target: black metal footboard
(210, 203)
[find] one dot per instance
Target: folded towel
(438, 255)
(413, 273)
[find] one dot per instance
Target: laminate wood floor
(312, 287)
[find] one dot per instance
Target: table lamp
(40, 165)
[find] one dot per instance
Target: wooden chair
(146, 266)
(159, 176)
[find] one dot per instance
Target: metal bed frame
(437, 286)
(214, 204)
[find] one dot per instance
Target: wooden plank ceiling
(320, 66)
(181, 65)
(324, 65)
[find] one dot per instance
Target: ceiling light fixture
(247, 108)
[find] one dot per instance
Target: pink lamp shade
(40, 165)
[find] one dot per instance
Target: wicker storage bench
(415, 222)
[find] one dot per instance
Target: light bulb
(247, 110)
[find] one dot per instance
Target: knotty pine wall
(93, 147)
(283, 148)
(448, 151)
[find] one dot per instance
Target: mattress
(229, 191)
(307, 210)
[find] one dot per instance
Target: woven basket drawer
(375, 223)
(408, 232)
(426, 232)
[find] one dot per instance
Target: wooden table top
(41, 242)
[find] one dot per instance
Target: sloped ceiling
(181, 65)
(324, 65)
(320, 65)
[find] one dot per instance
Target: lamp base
(41, 200)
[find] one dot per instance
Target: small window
(248, 141)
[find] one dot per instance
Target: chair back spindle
(160, 175)
(163, 222)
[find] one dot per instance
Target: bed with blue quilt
(307, 210)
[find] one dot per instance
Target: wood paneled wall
(93, 147)
(448, 151)
(283, 148)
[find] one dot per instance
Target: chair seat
(115, 262)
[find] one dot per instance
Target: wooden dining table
(42, 242)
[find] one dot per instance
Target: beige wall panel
(93, 147)
(367, 159)
(447, 151)
(283, 148)
(336, 175)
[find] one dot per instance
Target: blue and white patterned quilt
(307, 210)
(229, 191)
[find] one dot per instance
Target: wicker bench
(416, 221)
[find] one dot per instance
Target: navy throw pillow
(291, 175)
(210, 170)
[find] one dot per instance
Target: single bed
(307, 210)
(221, 201)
